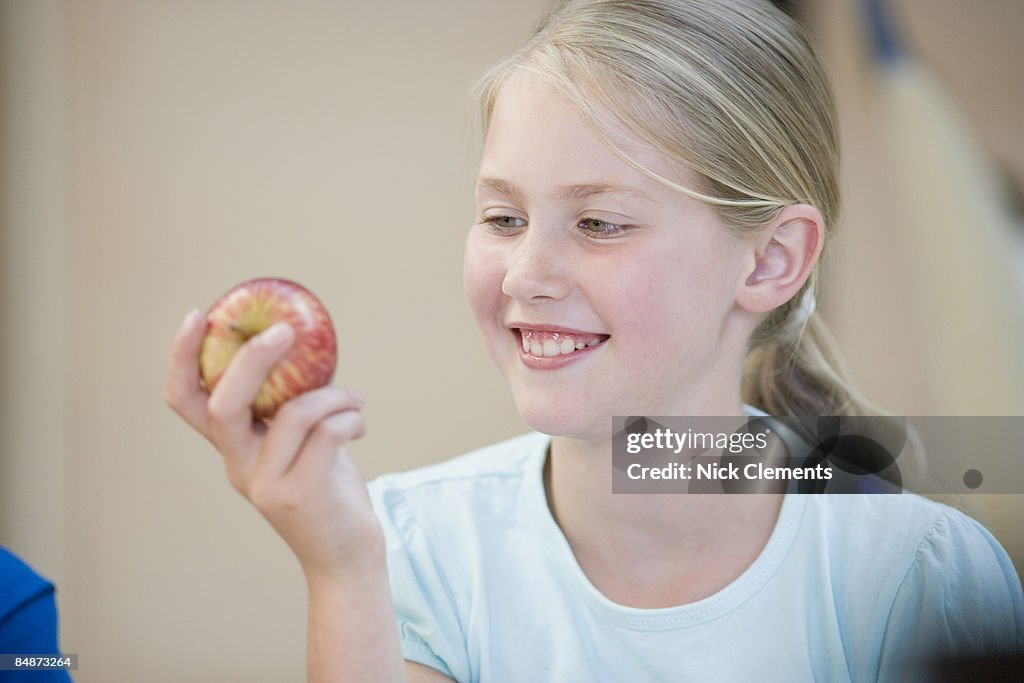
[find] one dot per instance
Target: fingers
(297, 465)
(303, 440)
(230, 405)
(319, 453)
(183, 391)
(293, 423)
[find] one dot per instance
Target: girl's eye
(599, 229)
(591, 227)
(503, 223)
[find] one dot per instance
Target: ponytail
(799, 372)
(794, 372)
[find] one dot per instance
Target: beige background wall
(153, 154)
(156, 153)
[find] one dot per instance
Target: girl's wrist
(369, 563)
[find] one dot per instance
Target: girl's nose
(536, 268)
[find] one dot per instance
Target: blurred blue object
(28, 618)
(885, 41)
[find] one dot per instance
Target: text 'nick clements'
(755, 471)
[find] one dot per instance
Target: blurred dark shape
(794, 8)
(1008, 669)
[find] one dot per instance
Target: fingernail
(191, 316)
(276, 334)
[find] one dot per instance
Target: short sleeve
(960, 599)
(430, 630)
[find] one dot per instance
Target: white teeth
(554, 345)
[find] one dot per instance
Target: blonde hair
(734, 90)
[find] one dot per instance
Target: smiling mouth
(546, 344)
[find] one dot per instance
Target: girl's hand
(295, 470)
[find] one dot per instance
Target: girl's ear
(784, 255)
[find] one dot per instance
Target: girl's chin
(569, 424)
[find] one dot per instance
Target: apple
(251, 307)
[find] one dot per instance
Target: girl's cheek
(483, 273)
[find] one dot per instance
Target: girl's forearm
(353, 636)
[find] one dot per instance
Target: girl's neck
(697, 544)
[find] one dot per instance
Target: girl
(658, 181)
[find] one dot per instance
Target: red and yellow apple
(251, 307)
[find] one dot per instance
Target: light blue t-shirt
(848, 588)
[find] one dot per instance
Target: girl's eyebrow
(578, 191)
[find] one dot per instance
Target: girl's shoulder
(905, 535)
(510, 459)
(467, 496)
(905, 522)
(939, 577)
